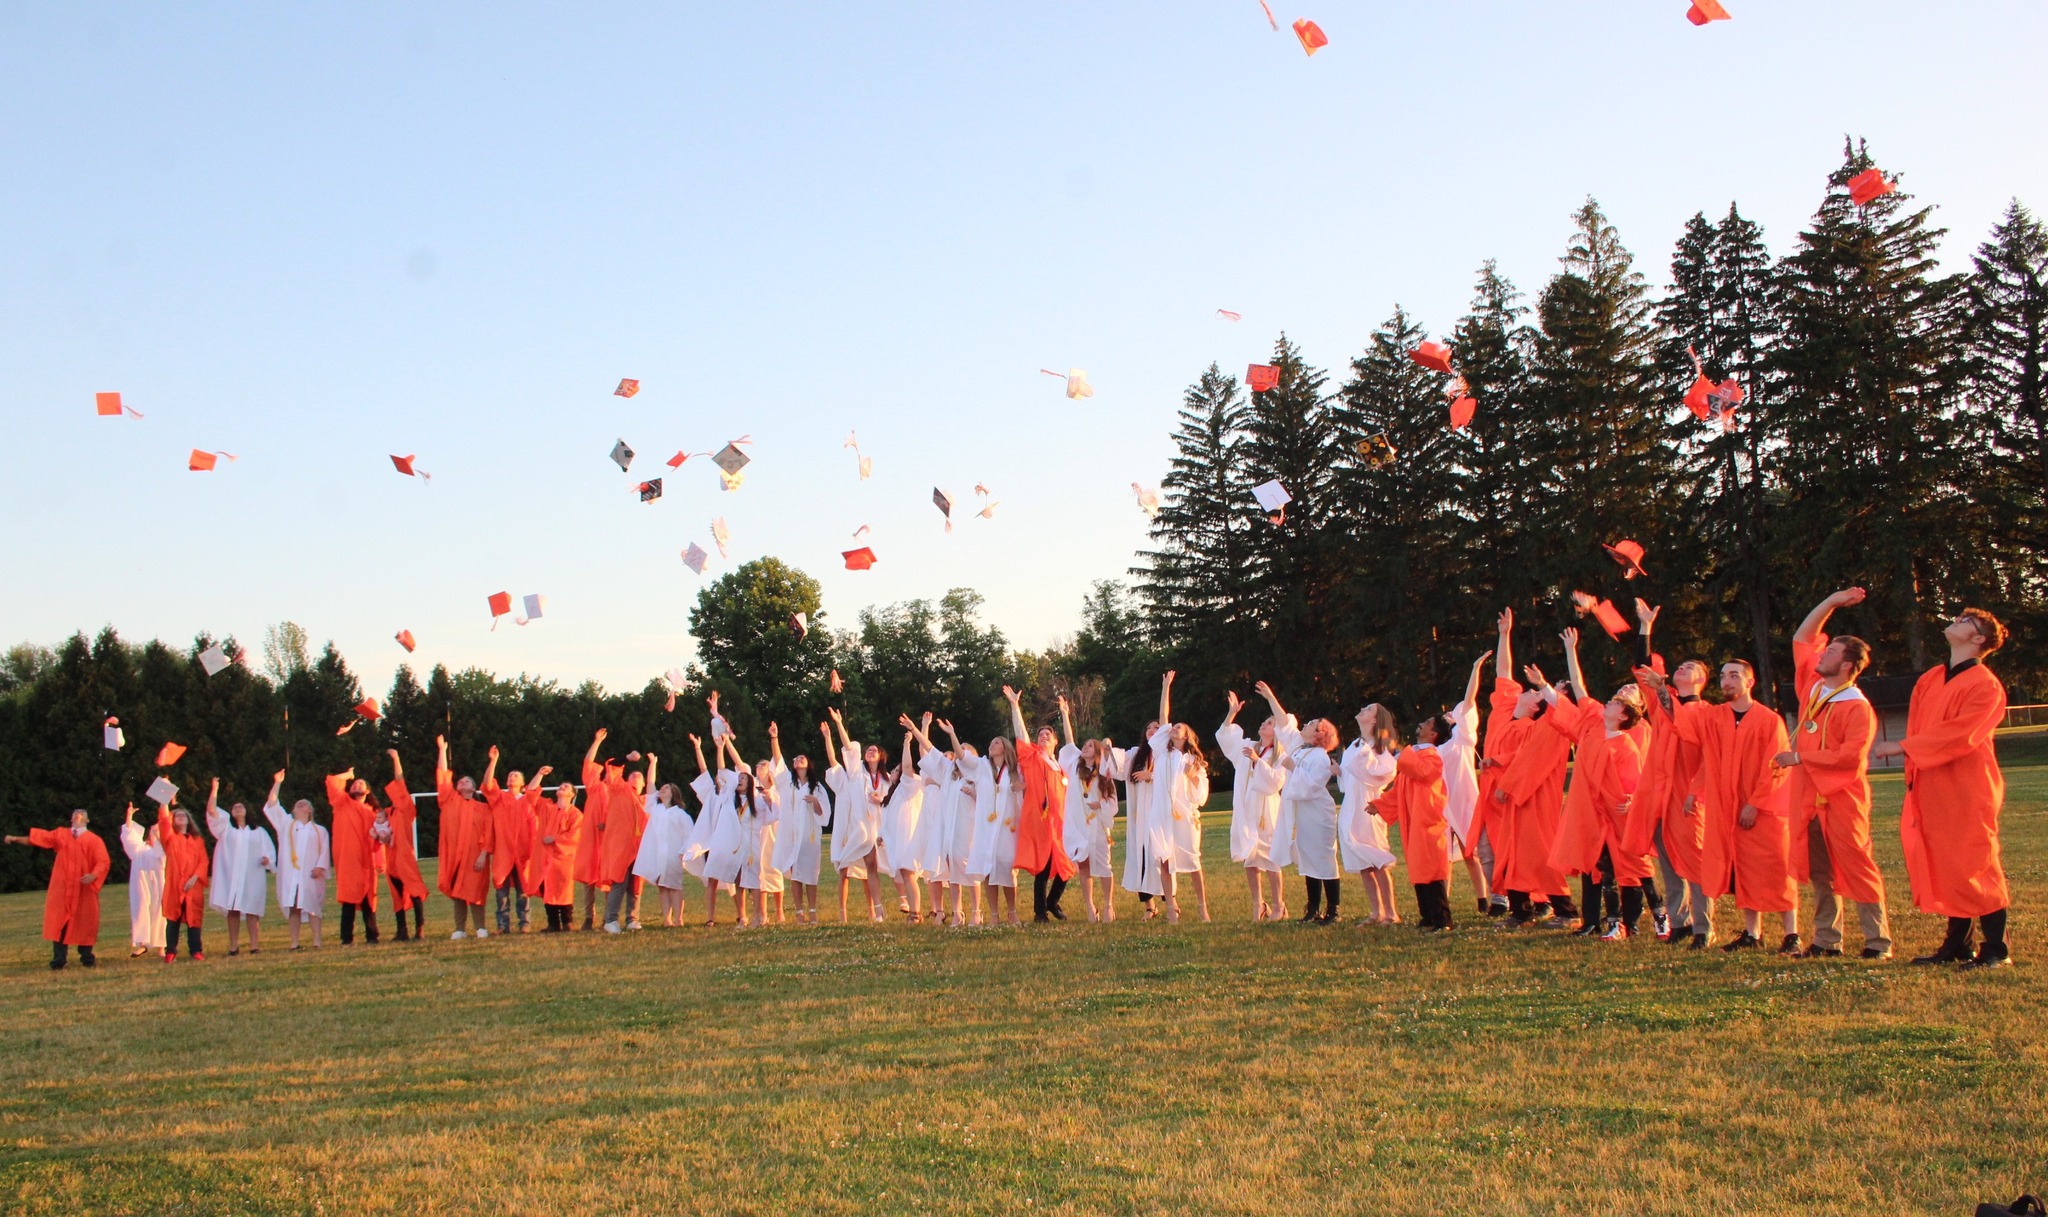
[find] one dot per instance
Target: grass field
(1134, 1068)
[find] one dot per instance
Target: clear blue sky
(319, 235)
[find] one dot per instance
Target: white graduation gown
(856, 812)
(994, 854)
(900, 814)
(757, 869)
(1461, 773)
(660, 860)
(724, 837)
(1089, 813)
(1254, 799)
(301, 850)
(1146, 840)
(242, 859)
(1364, 778)
(1307, 802)
(145, 887)
(1281, 849)
(797, 834)
(928, 839)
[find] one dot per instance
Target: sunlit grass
(1133, 1068)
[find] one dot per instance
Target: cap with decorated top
(859, 559)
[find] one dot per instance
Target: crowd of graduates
(1653, 799)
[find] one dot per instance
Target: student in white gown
(1306, 803)
(1367, 771)
(757, 865)
(1146, 841)
(963, 821)
(304, 859)
(1254, 809)
(1090, 811)
(804, 805)
(1181, 787)
(859, 781)
(928, 842)
(714, 791)
(996, 799)
(1460, 751)
(902, 805)
(145, 886)
(662, 845)
(243, 858)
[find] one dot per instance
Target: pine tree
(1874, 465)
(1499, 481)
(1290, 438)
(2009, 371)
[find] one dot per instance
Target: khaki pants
(1827, 907)
(1685, 903)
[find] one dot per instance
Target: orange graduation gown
(1738, 766)
(1954, 792)
(184, 858)
(1416, 802)
(1831, 782)
(551, 869)
(355, 876)
(511, 832)
(625, 818)
(1670, 775)
(590, 843)
(1041, 823)
(402, 860)
(1534, 784)
(1499, 747)
(465, 835)
(1606, 772)
(71, 909)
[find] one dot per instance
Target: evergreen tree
(1491, 350)
(2009, 370)
(1290, 438)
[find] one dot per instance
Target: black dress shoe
(1699, 941)
(1982, 960)
(1057, 915)
(1947, 954)
(1745, 941)
(1790, 946)
(1329, 918)
(1309, 916)
(1679, 933)
(1496, 910)
(1874, 953)
(1821, 953)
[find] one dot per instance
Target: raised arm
(1272, 699)
(1504, 646)
(1646, 622)
(732, 746)
(845, 740)
(1570, 638)
(1066, 721)
(1017, 731)
(1817, 620)
(774, 750)
(1166, 698)
(1236, 708)
(1472, 681)
(441, 752)
(831, 756)
(653, 765)
(697, 745)
(947, 727)
(216, 823)
(491, 769)
(589, 757)
(923, 739)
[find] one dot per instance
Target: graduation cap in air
(650, 490)
(108, 405)
(1602, 611)
(1703, 11)
(501, 606)
(161, 791)
(203, 461)
(694, 557)
(627, 387)
(1274, 498)
(1629, 554)
(110, 735)
(859, 559)
(1869, 186)
(405, 640)
(1377, 450)
(536, 605)
(944, 502)
(1462, 410)
(989, 512)
(867, 463)
(1312, 37)
(622, 456)
(1261, 377)
(404, 465)
(1077, 382)
(169, 754)
(368, 709)
(1148, 500)
(730, 460)
(213, 659)
(721, 536)
(799, 624)
(1432, 355)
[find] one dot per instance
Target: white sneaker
(483, 933)
(611, 927)
(457, 936)
(1615, 933)
(632, 925)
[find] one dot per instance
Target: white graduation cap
(720, 729)
(213, 659)
(1272, 495)
(115, 741)
(1148, 500)
(694, 557)
(721, 536)
(673, 678)
(536, 606)
(162, 791)
(623, 455)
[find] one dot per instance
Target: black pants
(399, 898)
(171, 929)
(1959, 936)
(1318, 890)
(1633, 899)
(1433, 902)
(348, 920)
(1046, 891)
(60, 954)
(558, 916)
(1561, 905)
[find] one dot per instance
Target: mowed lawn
(1134, 1068)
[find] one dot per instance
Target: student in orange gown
(551, 870)
(1748, 834)
(1528, 795)
(1416, 803)
(1507, 726)
(1607, 769)
(589, 869)
(1668, 817)
(1954, 792)
(1829, 765)
(625, 813)
(186, 870)
(1041, 823)
(355, 876)
(465, 842)
(401, 854)
(511, 845)
(71, 908)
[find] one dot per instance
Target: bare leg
(1257, 886)
(1202, 893)
(315, 919)
(1108, 898)
(710, 902)
(291, 921)
(253, 923)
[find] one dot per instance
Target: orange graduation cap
(405, 640)
(109, 406)
(1432, 355)
(501, 606)
(1630, 555)
(169, 754)
(1312, 37)
(404, 466)
(1869, 186)
(203, 462)
(859, 559)
(627, 388)
(368, 709)
(1703, 11)
(1262, 377)
(1461, 412)
(1610, 618)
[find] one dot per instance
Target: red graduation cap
(626, 388)
(1610, 618)
(108, 405)
(203, 462)
(1262, 377)
(368, 709)
(1629, 554)
(1312, 37)
(404, 465)
(1703, 11)
(1432, 355)
(859, 559)
(1869, 186)
(405, 640)
(501, 606)
(1696, 398)
(1461, 412)
(169, 754)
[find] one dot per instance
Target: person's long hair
(744, 789)
(1385, 736)
(1008, 765)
